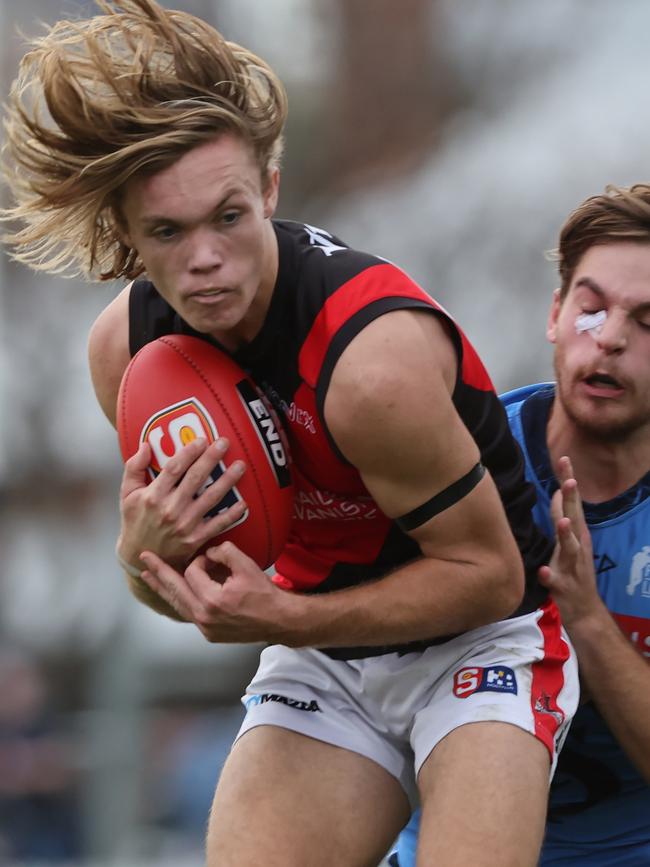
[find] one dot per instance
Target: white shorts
(395, 708)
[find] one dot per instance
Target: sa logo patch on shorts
(495, 678)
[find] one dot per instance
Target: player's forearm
(618, 679)
(147, 597)
(143, 593)
(421, 600)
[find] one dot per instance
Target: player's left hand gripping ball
(178, 388)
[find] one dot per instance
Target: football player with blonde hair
(410, 642)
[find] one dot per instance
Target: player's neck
(603, 468)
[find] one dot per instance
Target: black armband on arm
(455, 492)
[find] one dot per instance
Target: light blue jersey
(599, 808)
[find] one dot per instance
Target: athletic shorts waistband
(344, 653)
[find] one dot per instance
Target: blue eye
(165, 233)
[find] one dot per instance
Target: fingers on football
(213, 527)
(175, 470)
(232, 557)
(194, 473)
(194, 595)
(198, 472)
(216, 490)
(135, 470)
(201, 581)
(168, 584)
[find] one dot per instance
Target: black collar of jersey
(535, 414)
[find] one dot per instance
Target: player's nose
(612, 336)
(204, 250)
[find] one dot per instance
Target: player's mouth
(601, 384)
(207, 296)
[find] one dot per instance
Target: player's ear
(121, 225)
(271, 192)
(553, 314)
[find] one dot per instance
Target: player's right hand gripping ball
(178, 388)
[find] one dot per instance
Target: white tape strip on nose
(591, 322)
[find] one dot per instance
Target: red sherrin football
(178, 388)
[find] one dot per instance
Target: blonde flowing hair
(102, 99)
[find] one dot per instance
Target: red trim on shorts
(548, 678)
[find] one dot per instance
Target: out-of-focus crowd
(44, 764)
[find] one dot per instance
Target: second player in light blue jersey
(598, 414)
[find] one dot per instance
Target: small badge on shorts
(495, 678)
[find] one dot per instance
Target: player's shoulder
(110, 329)
(317, 269)
(516, 397)
(108, 351)
(320, 255)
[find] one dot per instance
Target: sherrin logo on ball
(177, 426)
(178, 388)
(174, 427)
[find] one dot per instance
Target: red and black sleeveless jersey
(325, 294)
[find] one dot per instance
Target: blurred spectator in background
(188, 746)
(38, 775)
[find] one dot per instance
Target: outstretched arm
(614, 672)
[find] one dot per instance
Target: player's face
(202, 228)
(601, 333)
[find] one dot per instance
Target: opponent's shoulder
(108, 351)
(514, 399)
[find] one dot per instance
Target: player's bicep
(108, 352)
(420, 462)
(430, 479)
(390, 411)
